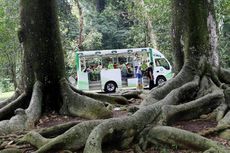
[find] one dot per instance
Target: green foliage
(10, 50)
(6, 85)
(68, 24)
(69, 29)
(223, 18)
(93, 40)
(112, 23)
(159, 11)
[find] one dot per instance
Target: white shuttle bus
(108, 70)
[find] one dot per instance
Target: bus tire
(110, 86)
(160, 80)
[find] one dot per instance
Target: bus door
(162, 70)
(89, 76)
(82, 81)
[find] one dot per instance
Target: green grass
(5, 95)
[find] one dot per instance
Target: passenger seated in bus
(110, 66)
(115, 65)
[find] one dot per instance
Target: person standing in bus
(123, 71)
(150, 75)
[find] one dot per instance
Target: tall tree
(179, 34)
(81, 25)
(151, 35)
(45, 87)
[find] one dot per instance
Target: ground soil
(48, 120)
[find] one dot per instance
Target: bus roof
(118, 51)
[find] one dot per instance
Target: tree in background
(81, 25)
(178, 26)
(223, 18)
(10, 50)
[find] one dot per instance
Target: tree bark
(213, 34)
(81, 20)
(152, 42)
(178, 11)
(43, 54)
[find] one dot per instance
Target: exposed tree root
(214, 131)
(194, 108)
(225, 120)
(225, 134)
(34, 111)
(189, 99)
(11, 150)
(132, 94)
(184, 76)
(221, 111)
(183, 93)
(136, 122)
(182, 138)
(24, 119)
(224, 75)
(8, 110)
(16, 94)
(227, 96)
(102, 97)
(145, 115)
(56, 130)
(72, 139)
(77, 105)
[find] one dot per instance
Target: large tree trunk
(44, 59)
(45, 87)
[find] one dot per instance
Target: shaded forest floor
(52, 119)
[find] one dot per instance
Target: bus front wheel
(160, 80)
(110, 87)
